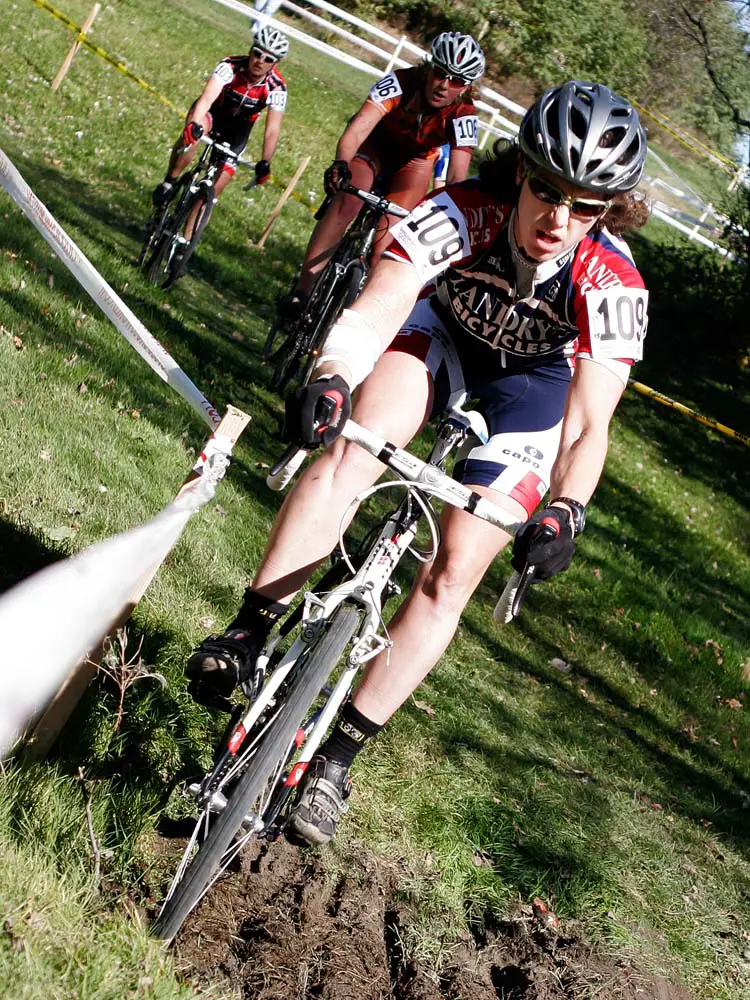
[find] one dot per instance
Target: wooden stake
(282, 201)
(85, 28)
(49, 724)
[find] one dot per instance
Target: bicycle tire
(303, 691)
(154, 266)
(341, 298)
(201, 221)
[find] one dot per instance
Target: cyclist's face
(261, 63)
(440, 90)
(545, 230)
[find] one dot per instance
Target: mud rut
(281, 929)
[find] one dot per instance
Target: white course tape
(52, 621)
(105, 297)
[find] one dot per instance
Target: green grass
(617, 789)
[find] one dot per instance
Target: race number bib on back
(385, 89)
(618, 318)
(277, 100)
(434, 236)
(465, 129)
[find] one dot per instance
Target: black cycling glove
(336, 176)
(262, 171)
(546, 542)
(317, 412)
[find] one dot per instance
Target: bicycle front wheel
(199, 207)
(270, 757)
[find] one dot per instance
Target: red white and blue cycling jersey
(591, 301)
(491, 323)
(236, 109)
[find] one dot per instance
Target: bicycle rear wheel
(270, 756)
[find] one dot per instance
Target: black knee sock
(349, 736)
(258, 614)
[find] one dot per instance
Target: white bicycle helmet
(271, 41)
(588, 135)
(458, 55)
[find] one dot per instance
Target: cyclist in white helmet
(235, 95)
(396, 136)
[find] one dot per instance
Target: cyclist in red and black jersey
(396, 136)
(235, 95)
(517, 289)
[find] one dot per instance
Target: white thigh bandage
(354, 342)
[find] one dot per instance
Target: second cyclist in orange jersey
(396, 136)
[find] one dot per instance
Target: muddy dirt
(281, 928)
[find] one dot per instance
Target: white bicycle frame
(367, 585)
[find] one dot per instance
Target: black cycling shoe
(162, 194)
(321, 801)
(291, 306)
(220, 663)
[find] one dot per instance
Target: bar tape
(644, 390)
(103, 294)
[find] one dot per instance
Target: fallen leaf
(135, 414)
(733, 703)
(60, 533)
(560, 665)
(424, 707)
(481, 860)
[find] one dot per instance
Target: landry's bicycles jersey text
(589, 302)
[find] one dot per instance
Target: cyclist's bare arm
(385, 304)
(271, 134)
(358, 130)
(594, 393)
(211, 91)
(458, 165)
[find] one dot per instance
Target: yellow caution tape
(644, 390)
(695, 145)
(122, 68)
(117, 63)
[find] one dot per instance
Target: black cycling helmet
(588, 135)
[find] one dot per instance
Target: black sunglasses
(586, 209)
(443, 74)
(260, 54)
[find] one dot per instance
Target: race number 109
(618, 319)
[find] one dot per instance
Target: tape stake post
(85, 28)
(282, 201)
(103, 295)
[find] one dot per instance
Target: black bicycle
(293, 347)
(174, 230)
(274, 733)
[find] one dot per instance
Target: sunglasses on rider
(264, 56)
(443, 74)
(586, 209)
